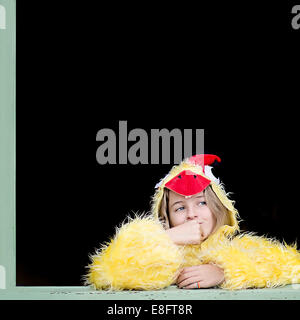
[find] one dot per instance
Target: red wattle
(188, 183)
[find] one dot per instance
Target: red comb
(204, 159)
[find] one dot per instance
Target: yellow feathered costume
(141, 256)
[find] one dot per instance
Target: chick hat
(190, 177)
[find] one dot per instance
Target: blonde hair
(214, 204)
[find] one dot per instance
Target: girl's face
(183, 209)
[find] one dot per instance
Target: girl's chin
(205, 235)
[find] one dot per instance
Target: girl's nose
(191, 214)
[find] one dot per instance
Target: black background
(227, 68)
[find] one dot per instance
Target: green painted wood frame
(7, 143)
(8, 288)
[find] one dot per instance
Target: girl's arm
(187, 233)
(141, 256)
(202, 276)
(254, 262)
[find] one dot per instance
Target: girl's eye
(179, 209)
(202, 203)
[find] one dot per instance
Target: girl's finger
(188, 282)
(193, 285)
(187, 275)
(201, 231)
(188, 269)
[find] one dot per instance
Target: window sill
(290, 292)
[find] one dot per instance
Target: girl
(191, 239)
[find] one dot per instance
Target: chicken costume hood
(141, 256)
(191, 177)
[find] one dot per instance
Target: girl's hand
(187, 233)
(207, 275)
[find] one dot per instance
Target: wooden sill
(290, 292)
